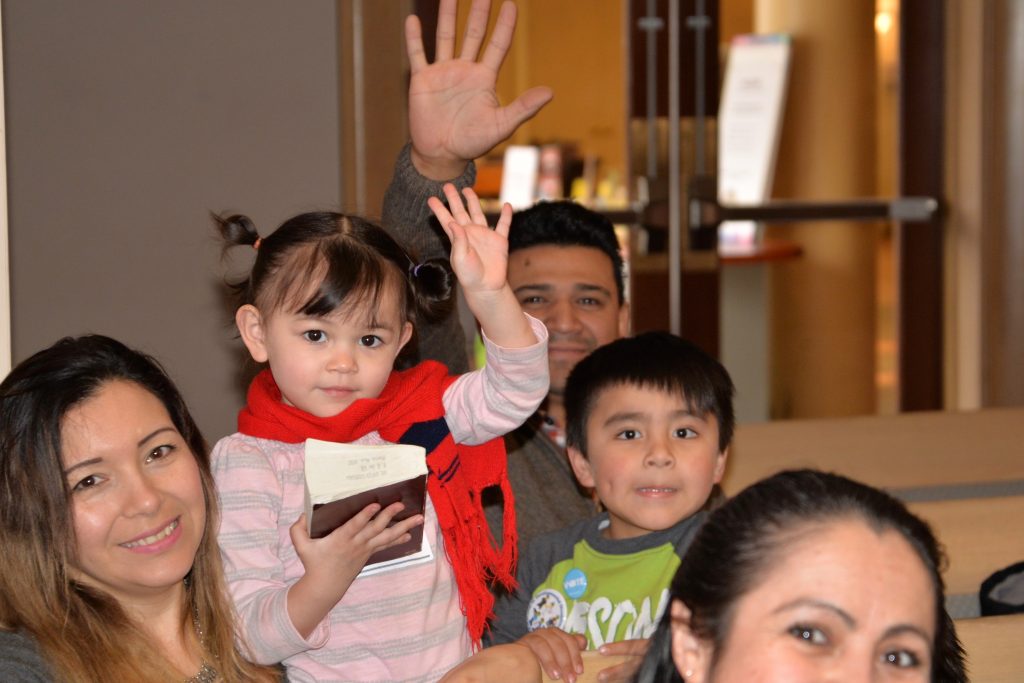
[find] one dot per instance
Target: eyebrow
(577, 287)
(142, 442)
(804, 602)
(370, 324)
(895, 630)
(899, 629)
(615, 418)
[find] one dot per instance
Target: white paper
(339, 470)
(749, 125)
(519, 176)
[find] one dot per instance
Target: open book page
(342, 479)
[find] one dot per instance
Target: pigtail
(236, 231)
(433, 288)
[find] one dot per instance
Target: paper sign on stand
(519, 176)
(749, 125)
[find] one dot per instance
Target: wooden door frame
(5, 269)
(920, 255)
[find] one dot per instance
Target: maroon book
(327, 517)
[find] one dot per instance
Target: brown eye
(160, 452)
(809, 634)
(903, 659)
(86, 483)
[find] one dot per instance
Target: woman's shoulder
(20, 660)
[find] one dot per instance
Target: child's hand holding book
(339, 533)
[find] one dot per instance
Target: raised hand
(479, 255)
(454, 112)
(479, 258)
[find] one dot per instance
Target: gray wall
(128, 122)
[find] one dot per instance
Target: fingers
(476, 29)
(440, 211)
(526, 106)
(298, 532)
(504, 220)
(397, 534)
(620, 673)
(364, 516)
(557, 651)
(501, 37)
(414, 43)
(476, 214)
(445, 31)
(636, 647)
(455, 204)
(457, 236)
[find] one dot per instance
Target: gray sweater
(20, 661)
(547, 496)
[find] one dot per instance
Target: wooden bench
(995, 648)
(980, 535)
(906, 451)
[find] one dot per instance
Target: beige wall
(985, 238)
(823, 304)
(374, 81)
(127, 123)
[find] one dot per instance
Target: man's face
(572, 291)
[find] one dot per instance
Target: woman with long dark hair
(807, 576)
(109, 564)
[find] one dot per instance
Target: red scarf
(409, 410)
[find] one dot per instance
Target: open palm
(454, 112)
(479, 255)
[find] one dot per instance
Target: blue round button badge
(575, 583)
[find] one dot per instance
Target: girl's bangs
(331, 279)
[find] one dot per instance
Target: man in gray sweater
(564, 263)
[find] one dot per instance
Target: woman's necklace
(206, 674)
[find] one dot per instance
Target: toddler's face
(651, 461)
(324, 364)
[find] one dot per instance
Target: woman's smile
(156, 542)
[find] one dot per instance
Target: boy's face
(651, 461)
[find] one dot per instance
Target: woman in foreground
(807, 576)
(110, 568)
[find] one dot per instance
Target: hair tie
(256, 244)
(415, 270)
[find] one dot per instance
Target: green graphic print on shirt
(607, 598)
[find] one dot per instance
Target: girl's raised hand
(479, 255)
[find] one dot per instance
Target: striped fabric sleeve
(496, 399)
(259, 567)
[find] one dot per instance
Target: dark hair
(746, 535)
(652, 360)
(37, 592)
(34, 399)
(567, 224)
(350, 256)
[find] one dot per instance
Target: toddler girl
(329, 305)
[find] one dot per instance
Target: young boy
(648, 425)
